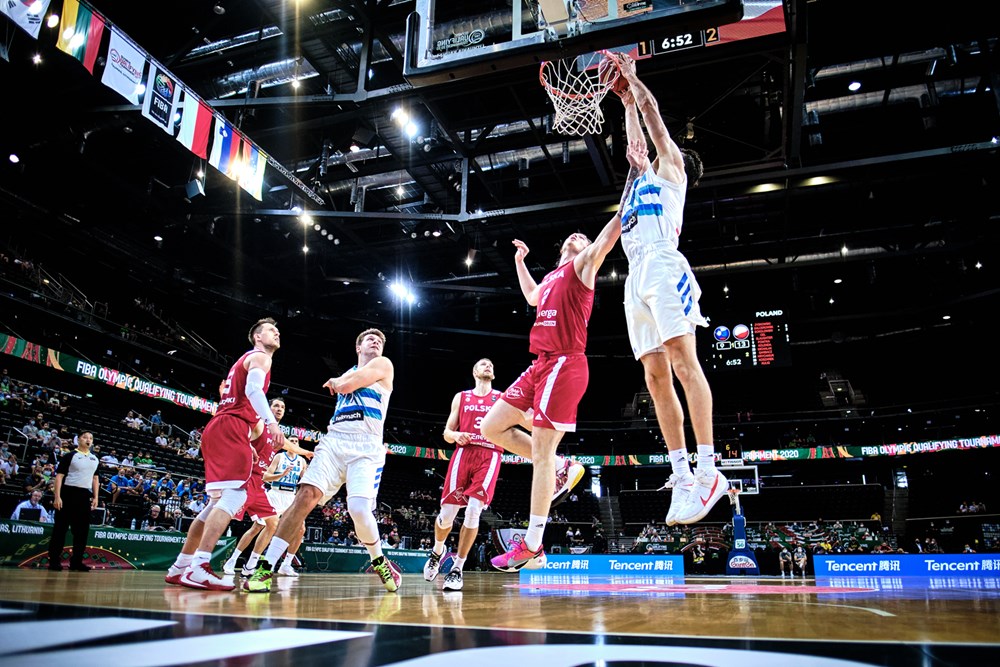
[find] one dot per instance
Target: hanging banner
(123, 72)
(26, 14)
(162, 97)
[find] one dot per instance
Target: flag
(123, 73)
(226, 142)
(80, 31)
(161, 99)
(252, 172)
(196, 125)
(27, 14)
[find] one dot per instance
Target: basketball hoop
(576, 92)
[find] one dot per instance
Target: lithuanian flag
(80, 31)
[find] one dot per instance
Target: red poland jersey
(471, 413)
(564, 307)
(264, 446)
(234, 393)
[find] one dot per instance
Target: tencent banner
(909, 565)
(602, 565)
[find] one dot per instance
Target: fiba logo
(163, 86)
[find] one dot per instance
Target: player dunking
(229, 456)
(351, 452)
(661, 302)
(550, 390)
(472, 473)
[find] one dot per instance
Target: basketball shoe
(519, 557)
(709, 487)
(260, 580)
(432, 566)
(568, 476)
(453, 581)
(174, 574)
(681, 486)
(287, 570)
(387, 572)
(201, 576)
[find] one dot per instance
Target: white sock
(458, 563)
(560, 462)
(438, 547)
(679, 461)
(183, 560)
(252, 560)
(536, 529)
(200, 557)
(275, 549)
(706, 457)
(235, 557)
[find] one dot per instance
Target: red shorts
(257, 506)
(472, 473)
(225, 446)
(550, 390)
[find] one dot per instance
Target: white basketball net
(575, 95)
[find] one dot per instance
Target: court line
(37, 635)
(206, 648)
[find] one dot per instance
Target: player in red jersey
(550, 390)
(259, 505)
(472, 473)
(229, 457)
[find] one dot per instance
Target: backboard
(445, 42)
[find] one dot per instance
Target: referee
(76, 495)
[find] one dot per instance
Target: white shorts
(661, 301)
(281, 499)
(355, 459)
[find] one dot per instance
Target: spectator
(127, 461)
(110, 460)
(197, 505)
(156, 423)
(183, 489)
(161, 440)
(9, 465)
(32, 503)
(165, 484)
(154, 520)
(120, 480)
(785, 561)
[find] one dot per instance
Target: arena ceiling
(891, 188)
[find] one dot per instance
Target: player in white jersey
(351, 452)
(661, 302)
(284, 475)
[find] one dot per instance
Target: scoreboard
(758, 339)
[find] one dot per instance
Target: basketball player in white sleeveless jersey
(661, 301)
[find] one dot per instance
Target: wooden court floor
(865, 620)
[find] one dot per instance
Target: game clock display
(757, 341)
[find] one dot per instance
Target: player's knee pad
(446, 518)
(472, 512)
(232, 500)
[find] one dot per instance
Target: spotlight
(14, 159)
(219, 9)
(53, 20)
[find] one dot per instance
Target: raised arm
(588, 262)
(671, 162)
(528, 285)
